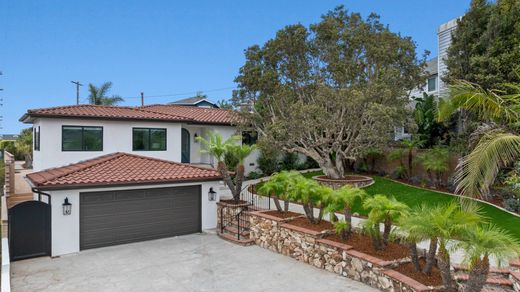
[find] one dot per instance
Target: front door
(185, 146)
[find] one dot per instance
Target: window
(432, 83)
(249, 137)
(148, 139)
(79, 138)
(36, 138)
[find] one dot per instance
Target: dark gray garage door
(116, 217)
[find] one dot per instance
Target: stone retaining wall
(310, 247)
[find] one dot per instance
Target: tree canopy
(486, 44)
(98, 95)
(330, 90)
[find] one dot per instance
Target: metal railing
(257, 202)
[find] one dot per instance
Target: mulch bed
(282, 215)
(429, 280)
(305, 223)
(363, 243)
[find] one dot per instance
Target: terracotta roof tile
(152, 112)
(117, 169)
(196, 114)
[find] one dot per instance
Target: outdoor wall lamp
(212, 195)
(67, 207)
(195, 137)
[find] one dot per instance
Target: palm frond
(477, 171)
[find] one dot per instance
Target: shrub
(512, 204)
(289, 161)
(254, 175)
(435, 162)
(268, 162)
(310, 163)
(341, 228)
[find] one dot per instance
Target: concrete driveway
(199, 262)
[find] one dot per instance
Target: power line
(184, 93)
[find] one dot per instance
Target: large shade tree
(331, 90)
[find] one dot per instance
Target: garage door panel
(109, 218)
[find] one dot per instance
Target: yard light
(212, 195)
(67, 207)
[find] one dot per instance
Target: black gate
(29, 230)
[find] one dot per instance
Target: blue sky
(162, 47)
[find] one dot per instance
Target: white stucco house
(115, 175)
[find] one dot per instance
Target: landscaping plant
(385, 210)
(278, 186)
(479, 244)
(342, 200)
(411, 146)
(311, 195)
(215, 146)
(435, 162)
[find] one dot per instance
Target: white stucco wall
(117, 137)
(65, 228)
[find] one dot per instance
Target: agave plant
(479, 244)
(386, 210)
(278, 186)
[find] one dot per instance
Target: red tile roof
(172, 113)
(196, 114)
(119, 169)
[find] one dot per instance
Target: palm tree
(311, 195)
(384, 210)
(343, 199)
(216, 146)
(479, 244)
(98, 95)
(477, 171)
(278, 186)
(411, 145)
(441, 224)
(435, 162)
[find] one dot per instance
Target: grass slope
(413, 196)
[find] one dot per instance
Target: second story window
(148, 139)
(432, 83)
(80, 138)
(36, 138)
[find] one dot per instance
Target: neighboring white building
(126, 174)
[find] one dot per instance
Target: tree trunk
(376, 238)
(445, 268)
(277, 203)
(286, 205)
(348, 219)
(410, 164)
(430, 256)
(329, 169)
(415, 256)
(308, 212)
(478, 274)
(320, 215)
(221, 168)
(386, 231)
(239, 178)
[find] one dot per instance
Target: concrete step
(234, 231)
(233, 239)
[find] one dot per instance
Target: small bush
(341, 228)
(268, 162)
(512, 205)
(289, 161)
(254, 175)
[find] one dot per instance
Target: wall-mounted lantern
(212, 195)
(195, 137)
(67, 207)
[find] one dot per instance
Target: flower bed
(314, 248)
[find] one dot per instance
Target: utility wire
(184, 93)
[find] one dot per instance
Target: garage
(122, 198)
(117, 217)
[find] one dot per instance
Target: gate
(29, 230)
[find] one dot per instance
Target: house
(124, 174)
(199, 101)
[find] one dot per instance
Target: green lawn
(416, 196)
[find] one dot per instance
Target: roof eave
(121, 184)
